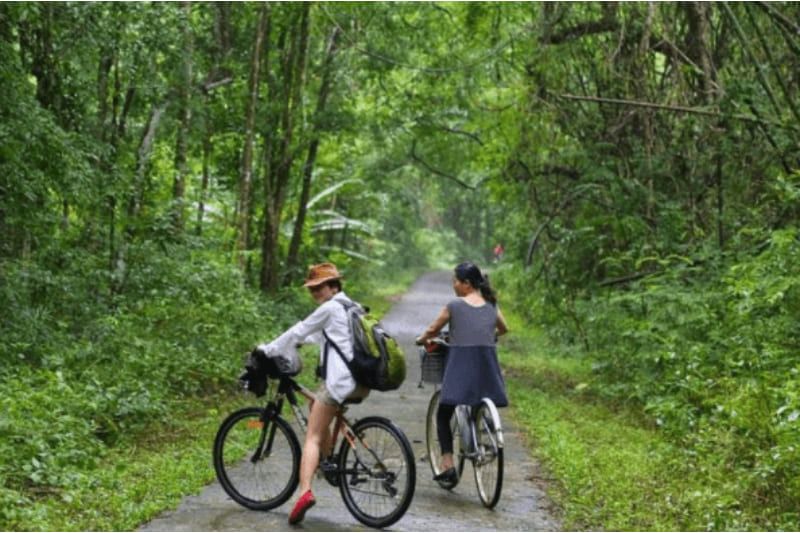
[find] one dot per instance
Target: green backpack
(378, 361)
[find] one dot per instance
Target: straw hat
(318, 274)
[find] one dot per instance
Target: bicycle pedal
(390, 490)
(330, 472)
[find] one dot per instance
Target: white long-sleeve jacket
(331, 317)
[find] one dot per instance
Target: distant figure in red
(498, 252)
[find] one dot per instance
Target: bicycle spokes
(488, 457)
(256, 461)
(378, 473)
(487, 440)
(375, 470)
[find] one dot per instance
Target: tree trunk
(39, 42)
(246, 177)
(184, 119)
(103, 71)
(308, 168)
(143, 160)
(720, 199)
(642, 64)
(207, 147)
(698, 39)
(222, 31)
(276, 182)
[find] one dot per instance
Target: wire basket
(433, 365)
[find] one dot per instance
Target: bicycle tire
(251, 477)
(377, 480)
(432, 443)
(488, 463)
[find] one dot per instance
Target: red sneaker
(305, 503)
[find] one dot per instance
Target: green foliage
(709, 353)
(85, 370)
(132, 484)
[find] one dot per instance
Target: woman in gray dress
(472, 371)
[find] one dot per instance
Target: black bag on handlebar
(260, 366)
(256, 370)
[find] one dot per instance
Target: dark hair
(334, 284)
(470, 273)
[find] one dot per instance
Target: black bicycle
(257, 458)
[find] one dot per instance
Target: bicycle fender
(495, 419)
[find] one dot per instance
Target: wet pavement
(523, 505)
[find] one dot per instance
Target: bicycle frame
(288, 390)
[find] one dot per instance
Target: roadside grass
(137, 481)
(608, 469)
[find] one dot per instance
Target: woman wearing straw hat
(324, 283)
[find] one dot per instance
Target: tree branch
(578, 191)
(438, 172)
(562, 170)
(780, 17)
(582, 29)
(773, 64)
(625, 279)
(665, 46)
(786, 26)
(210, 85)
(743, 39)
(679, 109)
(473, 136)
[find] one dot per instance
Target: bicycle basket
(433, 365)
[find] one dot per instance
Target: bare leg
(317, 441)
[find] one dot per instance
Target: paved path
(523, 505)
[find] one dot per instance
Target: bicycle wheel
(489, 455)
(432, 443)
(378, 474)
(257, 462)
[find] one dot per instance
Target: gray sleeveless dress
(472, 372)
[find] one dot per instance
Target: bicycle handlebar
(436, 340)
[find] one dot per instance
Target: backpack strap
(323, 372)
(323, 368)
(346, 304)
